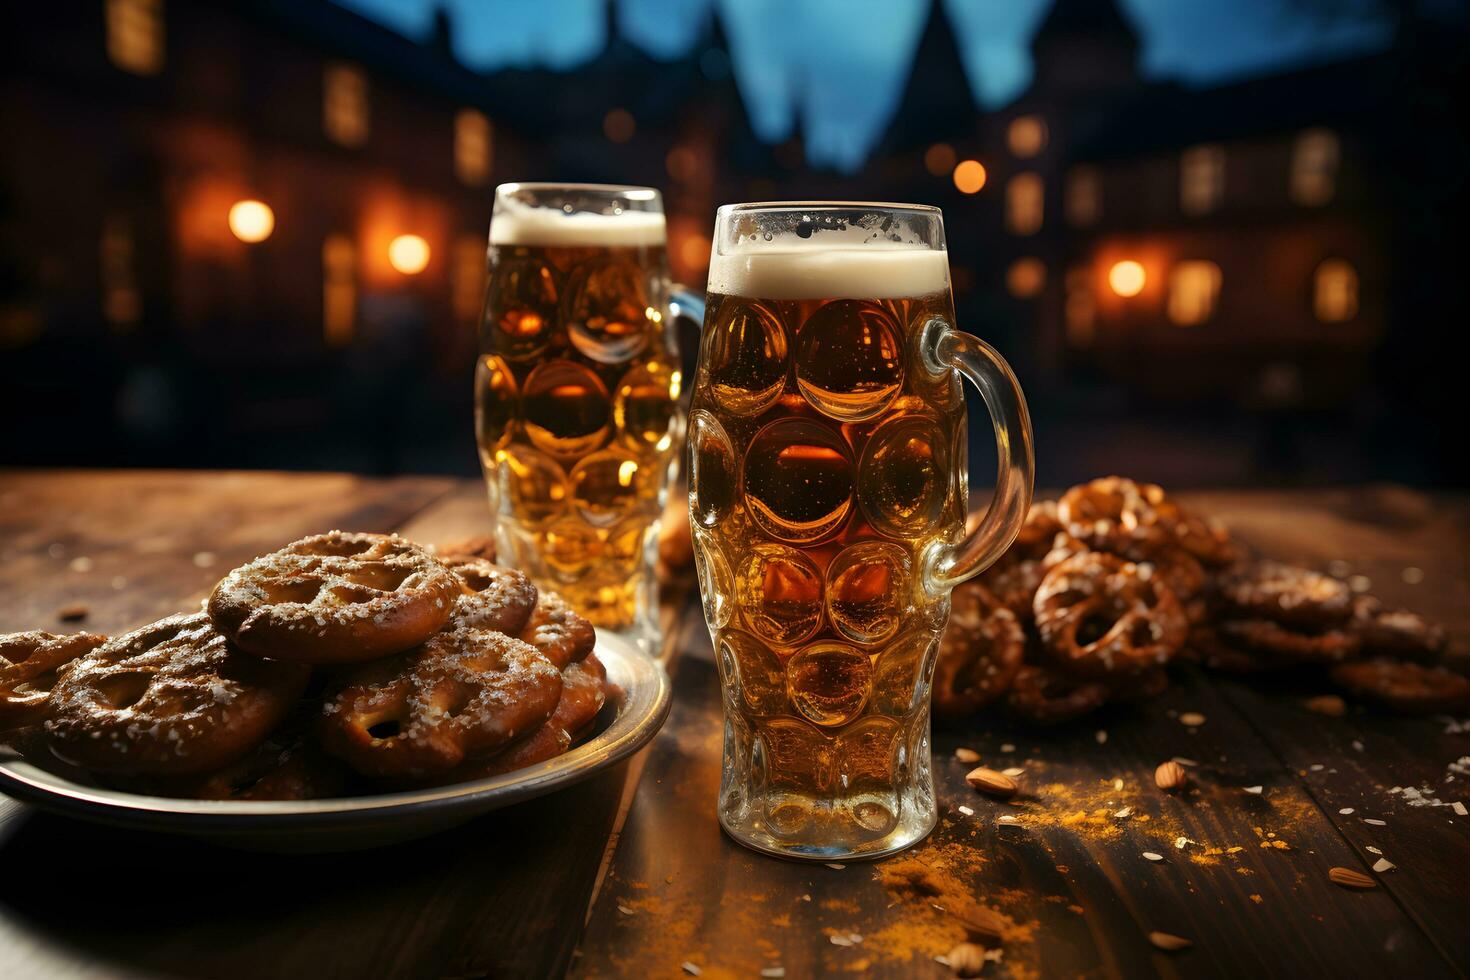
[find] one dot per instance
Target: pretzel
(1408, 687)
(558, 631)
(335, 598)
(1207, 541)
(479, 546)
(1396, 632)
(1041, 696)
(1262, 636)
(1287, 594)
(172, 698)
(1014, 585)
(979, 653)
(1100, 615)
(459, 695)
(1116, 514)
(30, 664)
(1037, 532)
(1206, 645)
(495, 598)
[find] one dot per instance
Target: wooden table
(603, 881)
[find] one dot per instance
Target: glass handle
(686, 304)
(685, 319)
(944, 348)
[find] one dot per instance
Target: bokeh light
(252, 221)
(969, 176)
(409, 254)
(1126, 278)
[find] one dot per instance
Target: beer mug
(577, 410)
(829, 497)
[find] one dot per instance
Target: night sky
(842, 63)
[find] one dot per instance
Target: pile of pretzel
(1107, 587)
(341, 663)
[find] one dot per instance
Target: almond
(981, 923)
(966, 960)
(1326, 704)
(968, 756)
(1348, 878)
(1168, 941)
(73, 612)
(991, 782)
(1170, 776)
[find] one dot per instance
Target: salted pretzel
(1287, 594)
(1209, 648)
(1206, 540)
(556, 629)
(172, 698)
(1099, 615)
(1014, 585)
(461, 694)
(1405, 686)
(478, 546)
(1114, 513)
(1280, 641)
(1396, 632)
(335, 598)
(1042, 696)
(30, 664)
(495, 598)
(979, 654)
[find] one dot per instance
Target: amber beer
(577, 392)
(828, 476)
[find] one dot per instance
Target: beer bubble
(644, 403)
(611, 484)
(760, 681)
(712, 467)
(898, 675)
(849, 359)
(495, 406)
(567, 410)
(531, 483)
(904, 476)
(571, 547)
(716, 583)
(798, 480)
(780, 594)
(607, 310)
(868, 591)
(829, 682)
(523, 304)
(747, 357)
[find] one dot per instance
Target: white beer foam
(783, 270)
(515, 224)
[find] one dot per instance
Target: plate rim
(647, 704)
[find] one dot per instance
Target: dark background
(1296, 226)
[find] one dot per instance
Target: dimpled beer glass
(577, 393)
(828, 503)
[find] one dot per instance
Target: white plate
(627, 724)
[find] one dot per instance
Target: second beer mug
(577, 392)
(828, 502)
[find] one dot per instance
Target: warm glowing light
(969, 176)
(939, 159)
(1201, 178)
(472, 143)
(252, 221)
(1083, 196)
(409, 254)
(345, 104)
(1025, 203)
(1194, 288)
(1335, 291)
(619, 125)
(1026, 136)
(694, 251)
(627, 469)
(135, 35)
(1126, 278)
(1026, 277)
(1314, 159)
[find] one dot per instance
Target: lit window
(472, 147)
(1084, 196)
(939, 159)
(1026, 277)
(122, 305)
(1081, 306)
(1201, 179)
(1314, 167)
(135, 35)
(619, 125)
(1335, 291)
(345, 104)
(1194, 288)
(1024, 204)
(339, 289)
(467, 277)
(1026, 136)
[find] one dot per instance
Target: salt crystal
(625, 910)
(1254, 789)
(1185, 762)
(1316, 767)
(1383, 864)
(806, 898)
(967, 811)
(1014, 771)
(1153, 856)
(777, 972)
(1124, 813)
(836, 867)
(1180, 843)
(1376, 823)
(1006, 818)
(1458, 807)
(690, 968)
(1373, 850)
(1346, 811)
